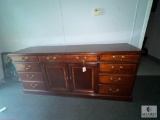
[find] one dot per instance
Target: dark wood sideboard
(104, 71)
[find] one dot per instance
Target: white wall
(62, 22)
(1, 68)
(30, 23)
(153, 33)
(140, 22)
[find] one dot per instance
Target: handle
(122, 57)
(33, 85)
(120, 67)
(51, 59)
(114, 90)
(24, 58)
(30, 76)
(77, 58)
(119, 79)
(81, 58)
(27, 67)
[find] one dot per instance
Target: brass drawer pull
(114, 57)
(81, 58)
(114, 90)
(27, 67)
(51, 59)
(122, 57)
(120, 67)
(119, 79)
(24, 58)
(30, 76)
(33, 85)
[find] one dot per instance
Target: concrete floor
(149, 66)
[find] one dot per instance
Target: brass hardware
(24, 58)
(120, 67)
(51, 59)
(77, 58)
(30, 76)
(33, 86)
(123, 56)
(27, 67)
(115, 80)
(114, 57)
(114, 90)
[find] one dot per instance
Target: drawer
(118, 68)
(31, 76)
(30, 67)
(24, 58)
(68, 58)
(34, 85)
(116, 79)
(115, 90)
(131, 58)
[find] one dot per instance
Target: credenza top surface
(95, 48)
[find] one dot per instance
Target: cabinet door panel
(57, 76)
(83, 81)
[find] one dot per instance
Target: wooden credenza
(93, 71)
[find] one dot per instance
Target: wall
(1, 68)
(153, 33)
(27, 23)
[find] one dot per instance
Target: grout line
(62, 22)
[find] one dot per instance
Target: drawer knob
(27, 67)
(114, 90)
(51, 59)
(30, 76)
(24, 58)
(33, 85)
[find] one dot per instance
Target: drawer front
(27, 67)
(116, 79)
(34, 85)
(31, 76)
(68, 58)
(118, 68)
(115, 90)
(24, 58)
(131, 58)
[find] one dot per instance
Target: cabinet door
(57, 77)
(83, 81)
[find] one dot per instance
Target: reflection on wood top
(95, 48)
